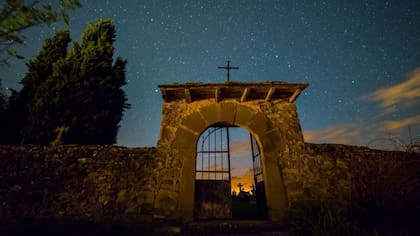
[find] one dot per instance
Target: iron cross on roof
(228, 68)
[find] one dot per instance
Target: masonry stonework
(266, 110)
(131, 186)
(135, 185)
(275, 127)
(82, 183)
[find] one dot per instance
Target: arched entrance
(265, 110)
(229, 180)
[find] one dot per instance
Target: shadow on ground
(216, 227)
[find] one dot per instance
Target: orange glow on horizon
(245, 180)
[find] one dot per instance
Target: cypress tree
(3, 99)
(80, 89)
(19, 123)
(84, 92)
(3, 105)
(12, 120)
(39, 70)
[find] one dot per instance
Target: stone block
(185, 139)
(195, 122)
(187, 181)
(121, 196)
(260, 124)
(166, 200)
(145, 197)
(243, 116)
(340, 163)
(212, 113)
(167, 132)
(270, 141)
(228, 112)
(294, 186)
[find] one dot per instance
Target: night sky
(361, 59)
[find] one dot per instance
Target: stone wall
(83, 183)
(274, 125)
(130, 185)
(343, 174)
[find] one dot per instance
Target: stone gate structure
(265, 109)
(135, 187)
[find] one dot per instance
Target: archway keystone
(265, 109)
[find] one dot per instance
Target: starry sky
(361, 59)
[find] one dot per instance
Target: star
(345, 52)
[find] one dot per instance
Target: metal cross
(228, 68)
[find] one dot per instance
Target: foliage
(3, 104)
(18, 15)
(39, 70)
(80, 89)
(413, 144)
(385, 194)
(384, 201)
(17, 115)
(318, 217)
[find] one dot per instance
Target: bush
(385, 195)
(318, 217)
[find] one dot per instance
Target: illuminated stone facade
(266, 110)
(102, 184)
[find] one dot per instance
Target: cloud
(376, 136)
(403, 94)
(241, 148)
(242, 171)
(343, 133)
(395, 125)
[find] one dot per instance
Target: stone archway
(266, 110)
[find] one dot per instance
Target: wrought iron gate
(212, 175)
(256, 160)
(258, 179)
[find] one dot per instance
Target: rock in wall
(82, 183)
(130, 185)
(346, 174)
(212, 199)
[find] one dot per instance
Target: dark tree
(84, 92)
(40, 69)
(80, 89)
(12, 119)
(3, 105)
(3, 99)
(18, 15)
(17, 118)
